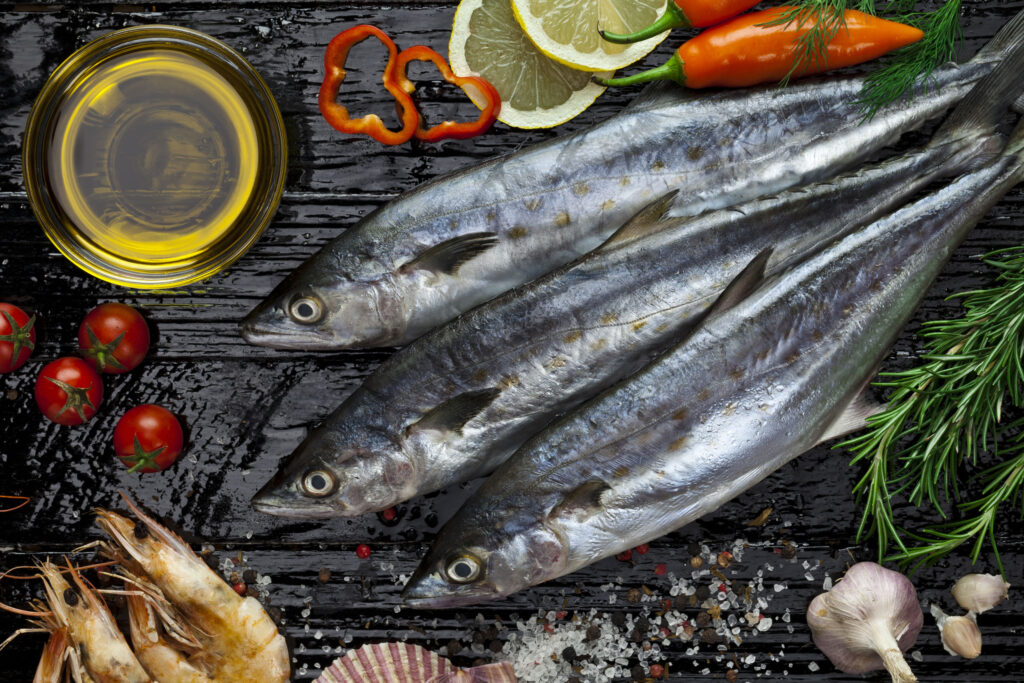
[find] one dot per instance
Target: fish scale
(458, 402)
(418, 261)
(758, 383)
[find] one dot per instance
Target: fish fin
(985, 105)
(1018, 105)
(1009, 39)
(585, 499)
(453, 414)
(647, 221)
(743, 284)
(657, 94)
(449, 255)
(854, 417)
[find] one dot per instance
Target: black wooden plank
(246, 407)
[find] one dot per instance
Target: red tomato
(114, 338)
(148, 438)
(69, 391)
(17, 337)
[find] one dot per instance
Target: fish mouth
(259, 333)
(430, 591)
(269, 502)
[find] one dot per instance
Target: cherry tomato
(148, 438)
(17, 337)
(69, 391)
(114, 338)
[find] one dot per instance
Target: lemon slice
(567, 30)
(536, 92)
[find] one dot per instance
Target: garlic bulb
(980, 592)
(867, 621)
(960, 635)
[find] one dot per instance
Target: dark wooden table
(247, 407)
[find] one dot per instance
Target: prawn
(238, 640)
(83, 634)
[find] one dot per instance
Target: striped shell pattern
(406, 663)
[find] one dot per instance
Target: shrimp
(164, 662)
(98, 651)
(239, 641)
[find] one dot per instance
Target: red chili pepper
(684, 14)
(480, 91)
(745, 51)
(337, 115)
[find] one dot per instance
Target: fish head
(331, 302)
(343, 469)
(486, 555)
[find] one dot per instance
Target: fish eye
(70, 597)
(306, 310)
(463, 569)
(318, 483)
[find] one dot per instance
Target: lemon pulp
(153, 157)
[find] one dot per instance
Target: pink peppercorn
(642, 548)
(661, 569)
(362, 551)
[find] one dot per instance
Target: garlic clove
(960, 635)
(867, 621)
(980, 592)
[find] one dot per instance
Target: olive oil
(153, 157)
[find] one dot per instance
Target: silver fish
(456, 242)
(459, 401)
(753, 387)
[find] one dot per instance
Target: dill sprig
(948, 412)
(905, 72)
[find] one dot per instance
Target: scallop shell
(405, 663)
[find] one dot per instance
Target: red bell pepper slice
(334, 67)
(481, 92)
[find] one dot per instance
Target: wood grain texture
(246, 407)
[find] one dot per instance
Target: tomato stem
(77, 398)
(144, 458)
(20, 337)
(103, 354)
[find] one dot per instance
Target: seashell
(406, 663)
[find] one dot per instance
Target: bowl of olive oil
(154, 157)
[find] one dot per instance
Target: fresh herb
(906, 71)
(948, 411)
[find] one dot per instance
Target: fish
(457, 402)
(754, 386)
(453, 243)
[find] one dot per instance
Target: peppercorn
(731, 675)
(657, 670)
(637, 673)
(593, 632)
(680, 602)
(362, 551)
(703, 592)
(324, 575)
(642, 548)
(454, 647)
(569, 654)
(619, 619)
(708, 635)
(494, 645)
(249, 576)
(703, 619)
(389, 515)
(633, 596)
(239, 588)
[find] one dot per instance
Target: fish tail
(1009, 39)
(981, 111)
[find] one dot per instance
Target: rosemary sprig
(949, 411)
(906, 71)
